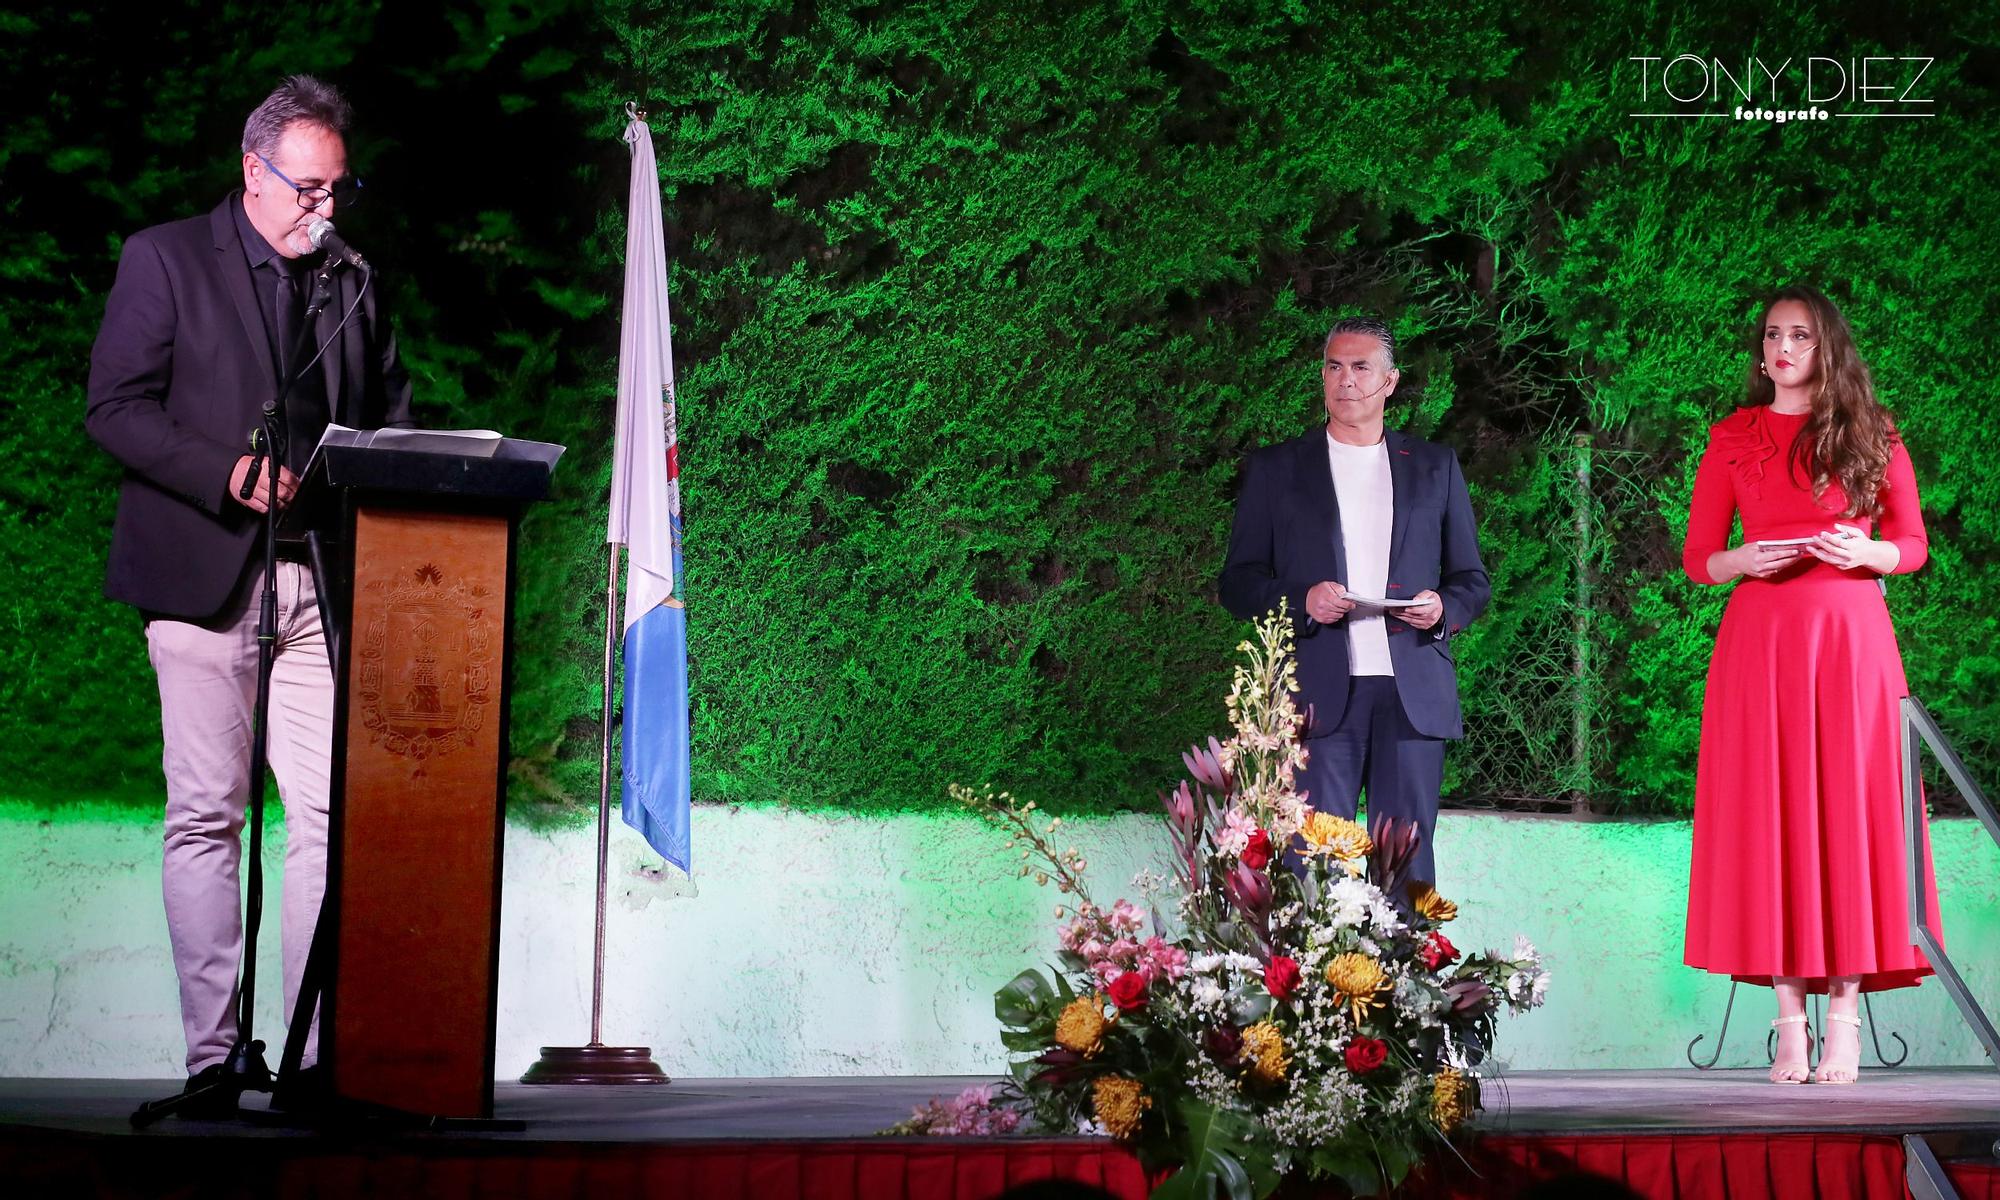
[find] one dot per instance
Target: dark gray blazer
(178, 378)
(1286, 538)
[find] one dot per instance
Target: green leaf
(1398, 1157)
(1025, 1000)
(1353, 1165)
(1022, 1040)
(1063, 989)
(1248, 1008)
(1218, 1175)
(1222, 1154)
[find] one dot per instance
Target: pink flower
(971, 1114)
(1209, 767)
(1126, 918)
(1082, 929)
(1157, 958)
(1180, 807)
(1235, 832)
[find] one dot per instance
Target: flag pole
(598, 1063)
(604, 806)
(645, 368)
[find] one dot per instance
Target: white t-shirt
(1367, 497)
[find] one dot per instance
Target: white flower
(1352, 902)
(1528, 986)
(1202, 964)
(1206, 993)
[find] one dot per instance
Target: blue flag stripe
(654, 799)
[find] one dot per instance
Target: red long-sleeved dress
(1798, 866)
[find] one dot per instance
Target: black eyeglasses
(345, 193)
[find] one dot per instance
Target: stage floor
(1906, 1100)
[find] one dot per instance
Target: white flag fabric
(645, 495)
(645, 519)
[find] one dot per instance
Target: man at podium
(197, 333)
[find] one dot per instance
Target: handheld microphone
(321, 233)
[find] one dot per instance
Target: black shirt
(305, 409)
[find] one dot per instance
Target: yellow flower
(1264, 1052)
(1429, 905)
(1120, 1103)
(1452, 1098)
(1358, 981)
(1081, 1025)
(1344, 841)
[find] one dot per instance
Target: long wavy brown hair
(1848, 435)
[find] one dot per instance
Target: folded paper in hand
(1379, 602)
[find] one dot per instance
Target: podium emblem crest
(425, 676)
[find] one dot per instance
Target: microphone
(321, 233)
(257, 447)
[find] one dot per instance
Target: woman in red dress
(1798, 868)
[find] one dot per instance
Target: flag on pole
(646, 520)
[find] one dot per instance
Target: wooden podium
(417, 551)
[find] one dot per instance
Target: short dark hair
(298, 98)
(1374, 327)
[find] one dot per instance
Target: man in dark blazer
(198, 333)
(1332, 521)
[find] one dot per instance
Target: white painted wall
(809, 944)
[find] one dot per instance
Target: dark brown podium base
(596, 1064)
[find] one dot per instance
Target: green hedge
(978, 306)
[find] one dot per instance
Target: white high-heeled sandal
(1789, 1072)
(1820, 1075)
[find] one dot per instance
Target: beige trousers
(208, 687)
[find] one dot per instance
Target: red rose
(1128, 991)
(1257, 854)
(1364, 1054)
(1281, 978)
(1438, 951)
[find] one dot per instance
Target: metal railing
(1920, 731)
(1923, 1174)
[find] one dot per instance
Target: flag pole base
(596, 1064)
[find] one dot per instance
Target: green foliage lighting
(978, 305)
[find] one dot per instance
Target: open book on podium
(413, 537)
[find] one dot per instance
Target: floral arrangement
(1301, 1010)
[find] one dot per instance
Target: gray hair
(298, 98)
(1374, 327)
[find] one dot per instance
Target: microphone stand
(244, 1070)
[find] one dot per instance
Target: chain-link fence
(1538, 734)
